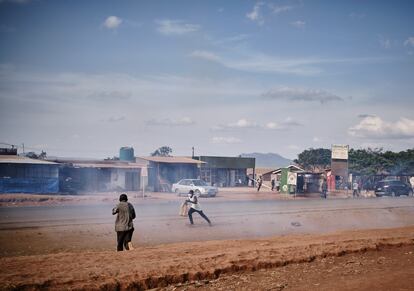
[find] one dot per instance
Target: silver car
(199, 187)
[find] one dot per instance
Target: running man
(124, 226)
(195, 207)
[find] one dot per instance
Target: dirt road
(301, 262)
(254, 244)
(71, 228)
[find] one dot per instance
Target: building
(77, 176)
(291, 178)
(24, 175)
(164, 171)
(225, 171)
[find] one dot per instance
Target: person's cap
(123, 197)
(191, 192)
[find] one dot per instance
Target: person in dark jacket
(324, 189)
(123, 224)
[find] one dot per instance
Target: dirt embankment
(164, 265)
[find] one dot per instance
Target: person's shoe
(130, 247)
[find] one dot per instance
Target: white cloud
(298, 24)
(257, 63)
(255, 15)
(261, 63)
(279, 9)
(242, 123)
(300, 94)
(112, 22)
(183, 121)
(205, 55)
(176, 27)
(409, 41)
(272, 125)
(385, 43)
(287, 123)
(225, 140)
(376, 128)
(316, 139)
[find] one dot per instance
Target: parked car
(199, 187)
(393, 188)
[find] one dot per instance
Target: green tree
(311, 159)
(363, 161)
(163, 151)
(368, 161)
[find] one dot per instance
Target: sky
(84, 78)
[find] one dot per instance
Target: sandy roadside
(162, 265)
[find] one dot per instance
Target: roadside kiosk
(288, 177)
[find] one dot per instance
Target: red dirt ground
(368, 259)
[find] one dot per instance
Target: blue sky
(83, 78)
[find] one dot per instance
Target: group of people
(274, 183)
(125, 212)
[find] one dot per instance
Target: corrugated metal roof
(172, 160)
(290, 167)
(90, 163)
(109, 165)
(6, 159)
(228, 162)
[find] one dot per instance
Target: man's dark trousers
(190, 215)
(123, 237)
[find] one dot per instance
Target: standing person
(123, 223)
(273, 184)
(355, 188)
(324, 189)
(195, 207)
(259, 183)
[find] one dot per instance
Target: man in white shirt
(195, 207)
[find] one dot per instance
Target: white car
(199, 187)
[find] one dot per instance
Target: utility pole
(193, 152)
(23, 148)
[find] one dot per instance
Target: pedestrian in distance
(355, 189)
(124, 226)
(259, 183)
(273, 183)
(324, 189)
(195, 207)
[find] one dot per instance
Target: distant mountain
(269, 160)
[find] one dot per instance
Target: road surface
(45, 229)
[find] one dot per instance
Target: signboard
(340, 152)
(144, 172)
(292, 178)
